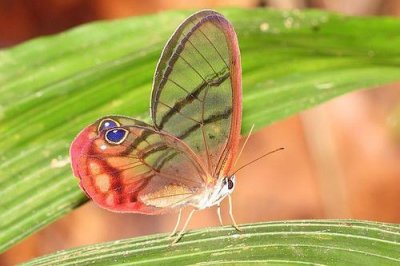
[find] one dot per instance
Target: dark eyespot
(230, 184)
(107, 124)
(116, 136)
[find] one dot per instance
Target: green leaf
(340, 242)
(52, 87)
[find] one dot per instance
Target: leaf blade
(324, 242)
(52, 87)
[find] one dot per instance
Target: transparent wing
(138, 169)
(197, 90)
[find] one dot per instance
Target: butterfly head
(223, 188)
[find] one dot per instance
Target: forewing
(147, 172)
(197, 90)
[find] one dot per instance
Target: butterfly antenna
(255, 160)
(244, 145)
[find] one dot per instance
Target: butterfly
(185, 157)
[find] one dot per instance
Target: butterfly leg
(231, 214)
(219, 215)
(177, 223)
(184, 227)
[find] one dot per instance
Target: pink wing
(138, 169)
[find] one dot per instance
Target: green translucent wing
(197, 90)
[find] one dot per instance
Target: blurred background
(341, 158)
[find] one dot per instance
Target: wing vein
(212, 44)
(193, 68)
(182, 103)
(202, 130)
(179, 112)
(205, 59)
(181, 87)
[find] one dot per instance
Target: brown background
(341, 158)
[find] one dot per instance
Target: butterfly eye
(231, 184)
(116, 136)
(107, 124)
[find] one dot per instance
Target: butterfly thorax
(213, 195)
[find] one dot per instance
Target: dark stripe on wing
(159, 164)
(156, 147)
(215, 80)
(210, 119)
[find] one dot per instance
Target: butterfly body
(216, 193)
(185, 157)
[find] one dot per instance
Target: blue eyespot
(107, 124)
(116, 135)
